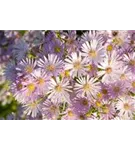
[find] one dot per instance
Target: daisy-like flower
(125, 73)
(94, 51)
(81, 104)
(59, 89)
(107, 111)
(70, 114)
(25, 91)
(86, 86)
(126, 107)
(52, 65)
(117, 89)
(33, 109)
(110, 68)
(118, 36)
(20, 49)
(93, 35)
(76, 64)
(57, 47)
(50, 110)
(104, 92)
(131, 84)
(72, 44)
(129, 60)
(26, 66)
(42, 80)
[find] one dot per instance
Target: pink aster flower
(42, 81)
(50, 110)
(117, 89)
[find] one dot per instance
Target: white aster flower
(126, 107)
(59, 89)
(110, 68)
(76, 64)
(94, 51)
(87, 86)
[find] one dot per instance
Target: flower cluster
(73, 75)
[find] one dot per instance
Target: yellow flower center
(31, 87)
(92, 53)
(118, 41)
(133, 84)
(51, 67)
(123, 77)
(41, 81)
(70, 113)
(106, 110)
(57, 49)
(77, 65)
(86, 87)
(108, 70)
(29, 69)
(126, 106)
(58, 88)
(109, 47)
(99, 95)
(90, 67)
(98, 104)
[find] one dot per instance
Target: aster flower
(104, 92)
(72, 44)
(52, 65)
(129, 60)
(20, 49)
(109, 68)
(56, 47)
(126, 107)
(81, 104)
(70, 114)
(50, 110)
(117, 89)
(107, 111)
(94, 51)
(93, 35)
(42, 81)
(59, 89)
(76, 64)
(86, 86)
(25, 91)
(33, 109)
(118, 36)
(26, 66)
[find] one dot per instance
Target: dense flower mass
(68, 75)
